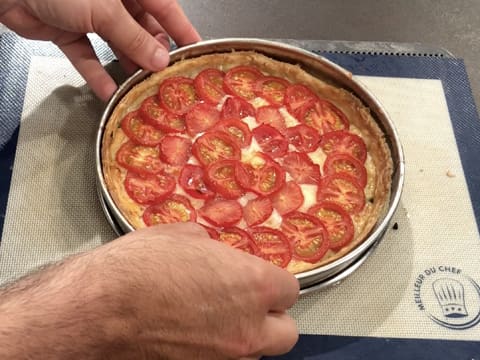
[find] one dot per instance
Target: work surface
(388, 308)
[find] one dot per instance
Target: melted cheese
(259, 102)
(309, 192)
(290, 121)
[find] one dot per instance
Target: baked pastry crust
(378, 164)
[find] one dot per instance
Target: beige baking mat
(53, 211)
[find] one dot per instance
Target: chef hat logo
(451, 297)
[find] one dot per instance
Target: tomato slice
(209, 85)
(303, 137)
(288, 199)
(155, 115)
(237, 129)
(221, 178)
(177, 94)
(139, 158)
(271, 115)
(211, 232)
(148, 188)
(323, 116)
(296, 96)
(261, 174)
(201, 118)
(192, 180)
(338, 223)
(175, 150)
(345, 164)
(301, 168)
(257, 210)
(344, 142)
(235, 107)
(175, 208)
(221, 213)
(215, 145)
(241, 80)
(272, 245)
(271, 141)
(238, 239)
(138, 131)
(272, 89)
(308, 236)
(344, 190)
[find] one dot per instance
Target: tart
(268, 158)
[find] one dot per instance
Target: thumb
(121, 31)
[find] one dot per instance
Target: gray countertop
(445, 24)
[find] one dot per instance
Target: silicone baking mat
(417, 296)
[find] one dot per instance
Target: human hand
(136, 30)
(165, 292)
(190, 297)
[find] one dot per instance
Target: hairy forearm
(58, 313)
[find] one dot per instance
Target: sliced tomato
(241, 80)
(201, 118)
(235, 107)
(257, 210)
(175, 208)
(272, 245)
(288, 199)
(237, 129)
(155, 115)
(303, 137)
(211, 232)
(272, 89)
(221, 213)
(139, 158)
(192, 180)
(177, 94)
(344, 142)
(271, 115)
(261, 174)
(175, 150)
(215, 145)
(220, 175)
(238, 239)
(138, 131)
(209, 85)
(271, 141)
(337, 221)
(345, 164)
(296, 96)
(323, 116)
(308, 236)
(148, 188)
(301, 168)
(344, 190)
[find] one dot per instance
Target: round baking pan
(317, 66)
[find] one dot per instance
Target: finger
(278, 335)
(82, 56)
(283, 289)
(149, 23)
(127, 65)
(131, 38)
(173, 19)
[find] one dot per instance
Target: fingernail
(160, 59)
